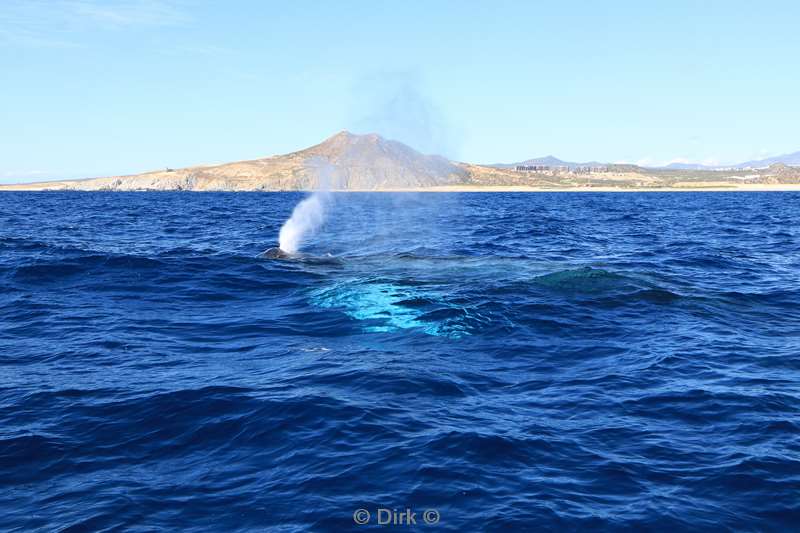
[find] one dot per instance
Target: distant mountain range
(689, 166)
(792, 159)
(550, 161)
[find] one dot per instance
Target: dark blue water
(511, 361)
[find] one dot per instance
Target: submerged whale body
(274, 253)
(279, 254)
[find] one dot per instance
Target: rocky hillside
(344, 161)
(348, 161)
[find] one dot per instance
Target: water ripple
(523, 362)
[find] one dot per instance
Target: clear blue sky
(98, 87)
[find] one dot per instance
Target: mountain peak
(347, 134)
(343, 134)
(368, 161)
(346, 138)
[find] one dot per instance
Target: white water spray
(308, 215)
(306, 218)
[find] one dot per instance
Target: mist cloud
(396, 106)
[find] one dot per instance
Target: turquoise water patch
(385, 307)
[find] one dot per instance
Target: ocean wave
(552, 361)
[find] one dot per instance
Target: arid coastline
(349, 162)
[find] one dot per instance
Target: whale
(277, 254)
(274, 253)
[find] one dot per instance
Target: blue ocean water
(525, 362)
